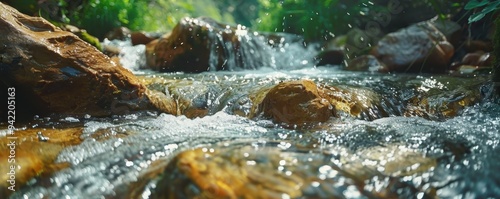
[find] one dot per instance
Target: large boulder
(417, 48)
(201, 44)
(53, 71)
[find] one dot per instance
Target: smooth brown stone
(54, 71)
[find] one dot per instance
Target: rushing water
(116, 152)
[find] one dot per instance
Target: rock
(33, 156)
(302, 102)
(365, 63)
(296, 102)
(120, 33)
(201, 44)
(474, 62)
(150, 52)
(356, 102)
(141, 38)
(54, 71)
(443, 97)
(477, 59)
(246, 170)
(417, 48)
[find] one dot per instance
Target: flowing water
(454, 157)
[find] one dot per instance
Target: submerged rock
(53, 71)
(202, 44)
(244, 170)
(35, 152)
(417, 48)
(443, 97)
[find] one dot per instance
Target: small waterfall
(253, 50)
(201, 44)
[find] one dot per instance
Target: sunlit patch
(429, 84)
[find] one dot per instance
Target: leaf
(491, 7)
(476, 17)
(475, 4)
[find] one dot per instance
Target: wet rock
(120, 33)
(477, 59)
(417, 48)
(207, 97)
(191, 98)
(302, 102)
(356, 102)
(243, 170)
(365, 63)
(141, 38)
(54, 71)
(474, 62)
(201, 44)
(443, 97)
(33, 155)
(296, 102)
(150, 52)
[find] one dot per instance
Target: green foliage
(442, 7)
(322, 18)
(100, 16)
(163, 15)
(487, 7)
(313, 19)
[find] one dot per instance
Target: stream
(377, 154)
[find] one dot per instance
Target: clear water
(116, 152)
(100, 168)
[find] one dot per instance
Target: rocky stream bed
(265, 120)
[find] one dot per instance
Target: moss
(94, 41)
